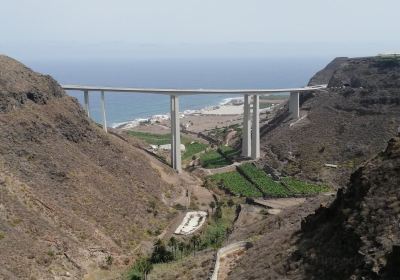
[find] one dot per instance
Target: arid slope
(72, 198)
(345, 125)
(356, 237)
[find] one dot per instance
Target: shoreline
(227, 108)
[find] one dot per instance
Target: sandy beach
(201, 120)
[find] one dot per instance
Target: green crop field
(236, 184)
(303, 188)
(151, 138)
(213, 159)
(229, 152)
(192, 147)
(268, 186)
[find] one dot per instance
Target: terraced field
(303, 188)
(229, 152)
(213, 159)
(236, 184)
(250, 181)
(192, 149)
(265, 183)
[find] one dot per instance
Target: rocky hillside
(345, 125)
(356, 237)
(72, 198)
(323, 77)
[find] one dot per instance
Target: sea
(227, 73)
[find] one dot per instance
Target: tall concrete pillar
(177, 135)
(255, 132)
(246, 133)
(103, 107)
(294, 105)
(172, 119)
(86, 97)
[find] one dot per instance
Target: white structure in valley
(251, 115)
(191, 222)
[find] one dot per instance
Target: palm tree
(187, 247)
(160, 253)
(173, 243)
(195, 240)
(144, 266)
(181, 247)
(212, 206)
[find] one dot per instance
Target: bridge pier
(175, 134)
(255, 132)
(246, 134)
(294, 106)
(86, 97)
(172, 108)
(251, 126)
(103, 108)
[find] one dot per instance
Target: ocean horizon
(174, 73)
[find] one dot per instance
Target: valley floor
(202, 190)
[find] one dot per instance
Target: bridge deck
(251, 134)
(174, 91)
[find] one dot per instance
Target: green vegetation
(235, 183)
(2, 235)
(303, 188)
(193, 148)
(109, 260)
(265, 105)
(265, 183)
(236, 127)
(218, 158)
(51, 253)
(219, 133)
(229, 152)
(279, 96)
(219, 225)
(160, 253)
(213, 159)
(179, 206)
(210, 159)
(141, 267)
(250, 181)
(151, 138)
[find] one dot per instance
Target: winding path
(225, 251)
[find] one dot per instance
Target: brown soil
(77, 202)
(72, 198)
(356, 237)
(228, 263)
(197, 267)
(345, 125)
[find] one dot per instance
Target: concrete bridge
(251, 114)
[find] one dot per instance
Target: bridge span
(251, 114)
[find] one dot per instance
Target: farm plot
(303, 188)
(236, 184)
(213, 159)
(229, 152)
(268, 186)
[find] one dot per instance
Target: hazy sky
(169, 28)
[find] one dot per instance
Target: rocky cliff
(72, 198)
(356, 237)
(345, 125)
